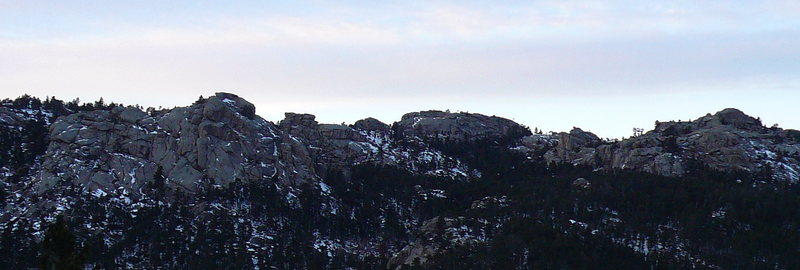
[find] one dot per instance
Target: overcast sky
(605, 66)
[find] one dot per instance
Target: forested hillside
(215, 186)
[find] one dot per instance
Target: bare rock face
(317, 147)
(434, 236)
(729, 117)
(297, 133)
(728, 140)
(490, 202)
(218, 140)
(300, 125)
(457, 126)
(438, 235)
(372, 124)
(346, 145)
(7, 117)
(340, 132)
(581, 183)
(577, 145)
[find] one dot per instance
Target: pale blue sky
(605, 66)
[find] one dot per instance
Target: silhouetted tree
(59, 251)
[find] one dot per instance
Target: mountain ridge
(209, 157)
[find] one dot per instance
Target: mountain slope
(213, 185)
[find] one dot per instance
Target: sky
(604, 66)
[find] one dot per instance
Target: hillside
(213, 185)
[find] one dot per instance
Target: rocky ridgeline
(728, 140)
(220, 139)
(102, 165)
(456, 127)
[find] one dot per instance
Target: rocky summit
(213, 185)
(728, 140)
(220, 140)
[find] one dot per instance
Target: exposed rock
(581, 183)
(128, 114)
(576, 146)
(537, 145)
(340, 132)
(673, 128)
(216, 140)
(300, 124)
(433, 237)
(728, 140)
(457, 126)
(490, 202)
(220, 139)
(371, 124)
(729, 117)
(242, 106)
(7, 117)
(98, 163)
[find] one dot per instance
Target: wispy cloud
(426, 52)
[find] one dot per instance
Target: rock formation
(728, 140)
(217, 140)
(457, 127)
(215, 178)
(220, 139)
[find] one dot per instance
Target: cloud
(420, 54)
(352, 66)
(434, 21)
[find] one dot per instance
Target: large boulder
(371, 124)
(457, 127)
(729, 117)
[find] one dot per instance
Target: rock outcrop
(577, 145)
(372, 124)
(218, 140)
(438, 235)
(457, 127)
(728, 140)
(322, 146)
(213, 180)
(433, 237)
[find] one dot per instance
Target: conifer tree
(58, 248)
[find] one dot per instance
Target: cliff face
(728, 140)
(456, 127)
(220, 140)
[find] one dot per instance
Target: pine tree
(159, 179)
(58, 248)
